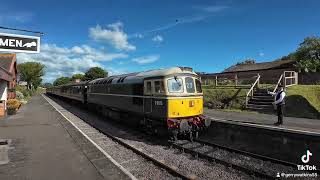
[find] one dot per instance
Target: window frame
(193, 84)
(146, 87)
(182, 85)
(195, 80)
(161, 85)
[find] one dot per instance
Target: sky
(135, 35)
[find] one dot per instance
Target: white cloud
(146, 59)
(212, 9)
(138, 35)
(157, 39)
(60, 61)
(113, 35)
(261, 54)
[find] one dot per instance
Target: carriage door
(147, 101)
(85, 94)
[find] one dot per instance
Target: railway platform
(34, 144)
(291, 124)
(256, 133)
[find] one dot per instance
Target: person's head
(280, 88)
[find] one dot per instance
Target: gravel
(185, 163)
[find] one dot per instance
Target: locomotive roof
(139, 76)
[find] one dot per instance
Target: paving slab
(266, 120)
(39, 147)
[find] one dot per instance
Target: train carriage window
(198, 86)
(158, 86)
(148, 87)
(175, 85)
(190, 85)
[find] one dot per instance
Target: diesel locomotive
(169, 100)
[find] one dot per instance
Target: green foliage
(27, 93)
(46, 85)
(224, 98)
(77, 76)
(247, 61)
(94, 73)
(31, 72)
(311, 93)
(61, 81)
(308, 55)
(19, 95)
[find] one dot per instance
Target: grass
(224, 98)
(303, 101)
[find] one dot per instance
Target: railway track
(181, 145)
(128, 139)
(246, 153)
(153, 149)
(161, 163)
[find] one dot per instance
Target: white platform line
(95, 144)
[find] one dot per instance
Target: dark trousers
(280, 108)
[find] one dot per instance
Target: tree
(78, 76)
(94, 73)
(61, 80)
(31, 72)
(308, 55)
(247, 61)
(46, 85)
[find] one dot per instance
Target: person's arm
(282, 95)
(272, 93)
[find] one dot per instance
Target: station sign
(19, 43)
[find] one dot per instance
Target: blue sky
(126, 36)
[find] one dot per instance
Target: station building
(8, 77)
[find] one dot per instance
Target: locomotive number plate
(158, 103)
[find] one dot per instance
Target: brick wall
(309, 78)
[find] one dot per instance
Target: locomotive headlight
(191, 103)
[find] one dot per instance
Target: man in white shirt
(279, 102)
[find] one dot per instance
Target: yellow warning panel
(185, 107)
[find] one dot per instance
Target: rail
(278, 83)
(287, 78)
(199, 154)
(250, 92)
(233, 81)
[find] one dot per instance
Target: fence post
(258, 84)
(216, 81)
(236, 79)
(284, 79)
(297, 77)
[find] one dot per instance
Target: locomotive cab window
(190, 85)
(175, 85)
(158, 86)
(198, 86)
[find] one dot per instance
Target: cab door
(147, 100)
